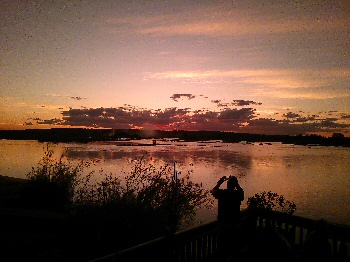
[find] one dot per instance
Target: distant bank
(84, 135)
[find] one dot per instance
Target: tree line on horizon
(89, 135)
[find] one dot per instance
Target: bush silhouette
(114, 213)
(51, 184)
(271, 201)
(150, 203)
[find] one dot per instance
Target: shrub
(88, 193)
(174, 199)
(111, 213)
(52, 183)
(271, 201)
(149, 204)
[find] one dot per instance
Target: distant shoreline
(84, 135)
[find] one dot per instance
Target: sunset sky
(272, 67)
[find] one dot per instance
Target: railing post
(342, 251)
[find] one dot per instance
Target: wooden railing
(196, 244)
(200, 243)
(296, 229)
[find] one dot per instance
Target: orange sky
(275, 67)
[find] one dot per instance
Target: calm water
(316, 178)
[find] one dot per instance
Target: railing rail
(200, 243)
(296, 229)
(196, 244)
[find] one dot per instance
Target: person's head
(232, 182)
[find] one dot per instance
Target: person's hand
(222, 179)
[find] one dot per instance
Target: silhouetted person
(229, 207)
(316, 246)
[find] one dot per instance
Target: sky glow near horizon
(273, 67)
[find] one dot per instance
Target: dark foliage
(52, 183)
(112, 214)
(271, 201)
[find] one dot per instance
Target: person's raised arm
(218, 184)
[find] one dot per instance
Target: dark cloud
(345, 116)
(291, 115)
(241, 115)
(229, 119)
(244, 103)
(219, 104)
(175, 97)
(28, 123)
(281, 127)
(35, 119)
(330, 123)
(77, 98)
(235, 103)
(53, 121)
(124, 117)
(304, 119)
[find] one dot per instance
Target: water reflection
(222, 159)
(18, 157)
(315, 178)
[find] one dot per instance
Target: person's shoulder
(218, 192)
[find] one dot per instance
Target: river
(316, 178)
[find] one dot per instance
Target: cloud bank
(243, 119)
